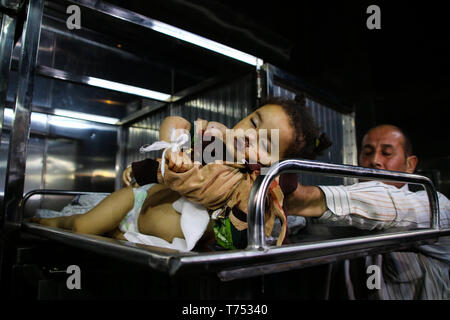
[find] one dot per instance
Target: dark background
(399, 74)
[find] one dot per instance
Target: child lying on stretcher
(221, 187)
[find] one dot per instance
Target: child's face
(262, 122)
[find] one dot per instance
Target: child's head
(298, 134)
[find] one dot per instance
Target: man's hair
(407, 145)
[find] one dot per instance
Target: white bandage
(175, 146)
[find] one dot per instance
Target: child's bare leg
(104, 217)
(161, 221)
(107, 215)
(164, 222)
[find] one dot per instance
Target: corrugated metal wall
(227, 104)
(145, 131)
(331, 122)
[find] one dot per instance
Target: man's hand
(178, 161)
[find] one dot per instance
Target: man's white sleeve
(374, 205)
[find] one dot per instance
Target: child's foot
(49, 222)
(34, 219)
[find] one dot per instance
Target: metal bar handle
(257, 199)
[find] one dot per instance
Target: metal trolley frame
(259, 258)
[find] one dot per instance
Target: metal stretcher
(259, 258)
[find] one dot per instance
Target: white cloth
(175, 146)
(194, 221)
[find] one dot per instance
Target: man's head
(387, 147)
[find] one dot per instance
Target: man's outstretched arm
(306, 201)
(367, 205)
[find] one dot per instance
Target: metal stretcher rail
(256, 239)
(258, 258)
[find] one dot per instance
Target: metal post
(8, 26)
(269, 80)
(259, 80)
(15, 171)
(256, 205)
(121, 155)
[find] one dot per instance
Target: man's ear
(411, 164)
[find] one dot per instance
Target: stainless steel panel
(8, 25)
(60, 164)
(4, 146)
(15, 173)
(35, 167)
(140, 56)
(35, 152)
(158, 62)
(81, 55)
(55, 94)
(59, 171)
(65, 153)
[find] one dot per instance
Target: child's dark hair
(309, 141)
